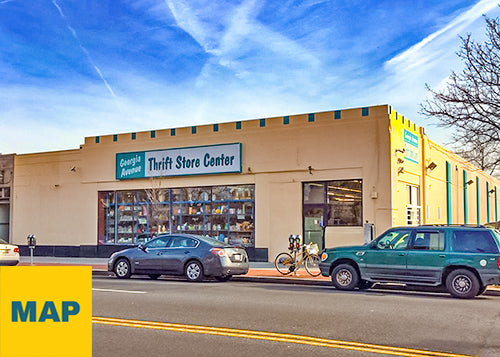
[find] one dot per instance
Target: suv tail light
(16, 250)
(498, 263)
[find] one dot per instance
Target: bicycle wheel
(312, 264)
(284, 263)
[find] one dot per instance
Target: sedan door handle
(402, 254)
(442, 256)
(186, 252)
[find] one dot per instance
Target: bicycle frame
(287, 263)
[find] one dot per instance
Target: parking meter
(31, 240)
(291, 241)
(298, 240)
(31, 244)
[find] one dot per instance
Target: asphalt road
(349, 323)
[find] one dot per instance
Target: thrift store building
(253, 183)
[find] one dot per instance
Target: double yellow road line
(272, 336)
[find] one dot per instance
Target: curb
(282, 280)
(252, 278)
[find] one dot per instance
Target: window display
(333, 203)
(133, 217)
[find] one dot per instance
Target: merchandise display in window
(133, 217)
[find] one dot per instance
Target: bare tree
(481, 152)
(470, 103)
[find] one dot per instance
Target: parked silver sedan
(193, 256)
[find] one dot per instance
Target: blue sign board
(411, 146)
(197, 160)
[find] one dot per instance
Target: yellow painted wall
(432, 182)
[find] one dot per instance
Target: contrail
(5, 1)
(75, 36)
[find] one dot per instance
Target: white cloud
(238, 42)
(84, 50)
(429, 61)
(431, 48)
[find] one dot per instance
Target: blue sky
(76, 68)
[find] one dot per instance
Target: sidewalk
(259, 271)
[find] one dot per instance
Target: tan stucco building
(253, 182)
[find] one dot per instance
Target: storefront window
(314, 192)
(333, 203)
(133, 217)
(106, 224)
(344, 203)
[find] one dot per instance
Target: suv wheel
(462, 283)
(345, 277)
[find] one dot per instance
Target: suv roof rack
(454, 225)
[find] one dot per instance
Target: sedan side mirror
(143, 248)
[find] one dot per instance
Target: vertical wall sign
(411, 147)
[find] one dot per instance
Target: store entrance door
(314, 216)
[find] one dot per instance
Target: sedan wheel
(193, 271)
(122, 269)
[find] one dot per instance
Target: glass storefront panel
(133, 217)
(341, 199)
(330, 203)
(344, 203)
(314, 192)
(106, 224)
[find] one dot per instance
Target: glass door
(314, 224)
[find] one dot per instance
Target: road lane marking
(273, 336)
(120, 291)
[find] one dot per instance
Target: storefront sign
(411, 146)
(198, 160)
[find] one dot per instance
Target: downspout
(424, 174)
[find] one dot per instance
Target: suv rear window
(473, 242)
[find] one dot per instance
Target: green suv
(463, 259)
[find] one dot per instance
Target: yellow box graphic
(45, 311)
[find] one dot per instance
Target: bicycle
(287, 263)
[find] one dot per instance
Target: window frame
(176, 238)
(441, 234)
